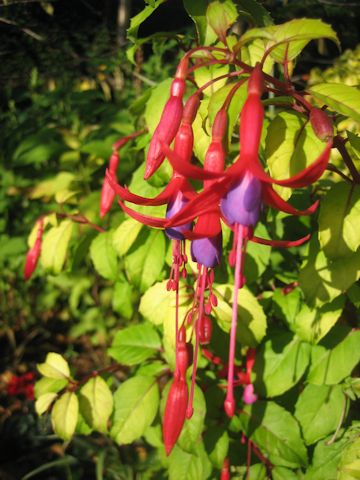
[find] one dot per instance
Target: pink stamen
(229, 404)
(200, 289)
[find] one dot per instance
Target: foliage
(299, 308)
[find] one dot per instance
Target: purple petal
(174, 206)
(243, 201)
(207, 251)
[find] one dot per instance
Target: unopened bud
(321, 124)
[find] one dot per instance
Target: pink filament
(229, 403)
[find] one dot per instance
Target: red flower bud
(175, 410)
(190, 109)
(225, 470)
(256, 81)
(321, 124)
(182, 356)
(251, 121)
(219, 126)
(205, 330)
(166, 131)
(33, 254)
(107, 193)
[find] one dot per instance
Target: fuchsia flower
(34, 252)
(236, 195)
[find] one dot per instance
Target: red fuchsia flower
(22, 385)
(169, 121)
(241, 192)
(107, 192)
(34, 252)
(177, 399)
(236, 195)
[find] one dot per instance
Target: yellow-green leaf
(55, 366)
(125, 235)
(55, 245)
(96, 403)
(341, 98)
(50, 187)
(44, 402)
(251, 326)
(64, 415)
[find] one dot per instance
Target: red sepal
(274, 200)
(145, 219)
(281, 243)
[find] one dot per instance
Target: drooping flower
(241, 192)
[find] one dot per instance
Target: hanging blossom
(235, 195)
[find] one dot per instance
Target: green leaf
(189, 466)
(44, 402)
(137, 20)
(197, 12)
(49, 385)
(354, 141)
(322, 280)
(96, 403)
(144, 265)
(349, 466)
(339, 234)
(290, 37)
(39, 148)
(251, 318)
(158, 304)
(192, 429)
(340, 97)
(125, 235)
(325, 460)
(64, 415)
(282, 473)
(255, 12)
(206, 74)
(290, 147)
(55, 245)
(122, 302)
(276, 432)
(319, 409)
(49, 187)
(280, 363)
(216, 444)
(103, 256)
(136, 402)
(55, 366)
(134, 344)
(220, 16)
(310, 324)
(330, 366)
(156, 103)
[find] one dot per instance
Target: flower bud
(321, 124)
(205, 330)
(166, 131)
(219, 125)
(106, 198)
(174, 415)
(225, 470)
(256, 81)
(251, 122)
(182, 355)
(34, 252)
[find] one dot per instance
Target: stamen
(229, 404)
(200, 288)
